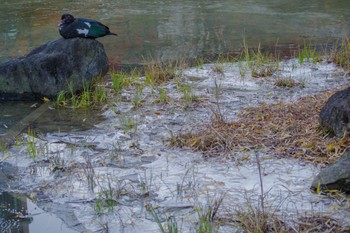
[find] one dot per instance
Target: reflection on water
(12, 112)
(18, 214)
(13, 214)
(67, 120)
(163, 29)
(52, 120)
(18, 116)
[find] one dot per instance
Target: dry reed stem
(285, 130)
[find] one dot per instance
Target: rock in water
(51, 68)
(335, 115)
(335, 177)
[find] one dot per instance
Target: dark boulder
(53, 67)
(335, 114)
(335, 177)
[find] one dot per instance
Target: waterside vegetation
(154, 74)
(282, 130)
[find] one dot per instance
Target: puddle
(41, 118)
(12, 112)
(18, 214)
(67, 120)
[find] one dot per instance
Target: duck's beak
(62, 22)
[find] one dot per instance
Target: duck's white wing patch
(88, 24)
(83, 31)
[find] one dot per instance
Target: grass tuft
(341, 57)
(157, 73)
(308, 54)
(92, 95)
(261, 64)
(31, 145)
(282, 129)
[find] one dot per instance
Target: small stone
(148, 158)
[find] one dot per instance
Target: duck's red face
(67, 18)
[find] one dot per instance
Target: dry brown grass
(285, 130)
(341, 56)
(251, 222)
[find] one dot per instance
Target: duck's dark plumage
(71, 27)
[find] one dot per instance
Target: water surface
(165, 29)
(19, 214)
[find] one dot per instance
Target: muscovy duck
(71, 27)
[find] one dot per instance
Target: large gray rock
(335, 115)
(335, 177)
(51, 68)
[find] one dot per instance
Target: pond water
(18, 214)
(9, 113)
(163, 29)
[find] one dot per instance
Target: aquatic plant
(160, 72)
(57, 162)
(245, 54)
(188, 93)
(218, 68)
(261, 64)
(99, 205)
(89, 173)
(146, 183)
(92, 94)
(31, 145)
(308, 54)
(162, 96)
(199, 63)
(260, 218)
(171, 225)
(84, 100)
(287, 82)
(117, 80)
(138, 100)
(206, 215)
(150, 79)
(188, 182)
(110, 189)
(253, 219)
(341, 56)
(3, 152)
(128, 123)
(226, 58)
(155, 216)
(61, 99)
(243, 68)
(99, 94)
